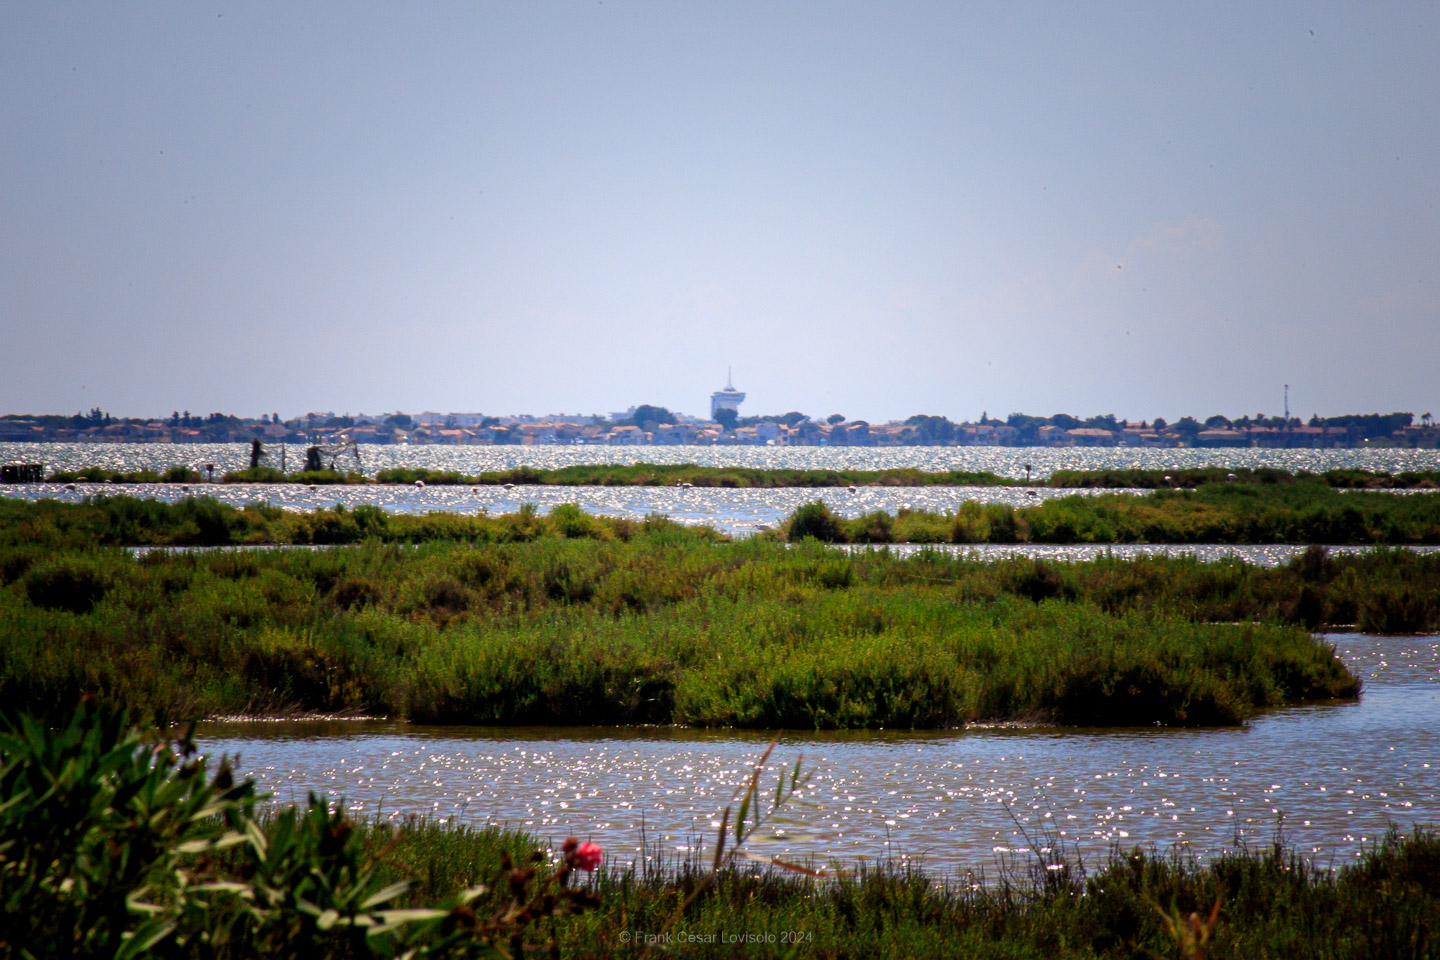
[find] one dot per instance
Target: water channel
(1333, 776)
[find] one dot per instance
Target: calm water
(1335, 776)
(735, 511)
(1005, 461)
(738, 512)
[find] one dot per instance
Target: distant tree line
(919, 429)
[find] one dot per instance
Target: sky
(1145, 209)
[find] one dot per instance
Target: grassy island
(573, 619)
(1299, 513)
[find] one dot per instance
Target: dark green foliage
(1398, 608)
(1189, 479)
(256, 474)
(179, 474)
(666, 475)
(1036, 580)
(354, 592)
(73, 584)
(578, 619)
(1254, 512)
(88, 817)
(647, 416)
(662, 625)
(815, 521)
(114, 846)
(202, 521)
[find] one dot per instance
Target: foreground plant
(110, 845)
(1190, 933)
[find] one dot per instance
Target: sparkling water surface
(739, 512)
(1332, 776)
(1004, 461)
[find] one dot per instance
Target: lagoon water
(737, 512)
(1333, 776)
(1005, 461)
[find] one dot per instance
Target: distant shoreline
(650, 426)
(691, 475)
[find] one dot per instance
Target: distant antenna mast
(729, 380)
(1287, 404)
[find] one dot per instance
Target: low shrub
(74, 584)
(814, 521)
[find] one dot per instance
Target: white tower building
(727, 399)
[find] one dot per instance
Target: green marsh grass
(204, 521)
(573, 624)
(1195, 477)
(1300, 513)
(1273, 904)
(668, 475)
(1212, 513)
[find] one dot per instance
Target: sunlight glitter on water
(738, 512)
(1005, 461)
(1333, 776)
(734, 511)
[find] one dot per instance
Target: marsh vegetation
(573, 619)
(114, 844)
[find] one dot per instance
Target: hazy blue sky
(873, 209)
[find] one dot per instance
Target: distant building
(1091, 437)
(627, 436)
(727, 399)
(1222, 437)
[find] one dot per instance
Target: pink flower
(587, 857)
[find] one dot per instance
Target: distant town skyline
(650, 425)
(1119, 207)
(729, 397)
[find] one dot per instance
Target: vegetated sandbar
(1231, 513)
(572, 619)
(1296, 512)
